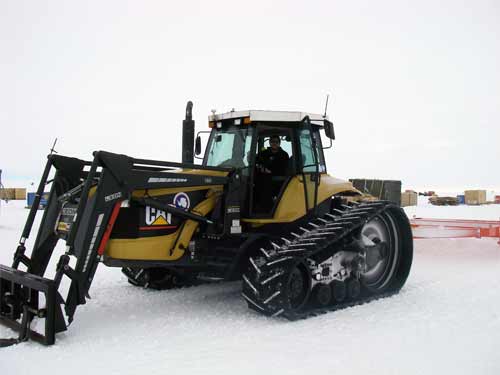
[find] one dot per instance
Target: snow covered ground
(445, 320)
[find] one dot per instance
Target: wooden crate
(475, 197)
(409, 198)
(20, 194)
(7, 193)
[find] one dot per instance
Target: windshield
(229, 147)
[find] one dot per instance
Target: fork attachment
(20, 298)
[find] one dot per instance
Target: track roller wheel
(298, 288)
(339, 290)
(322, 295)
(353, 288)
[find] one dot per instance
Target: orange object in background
(497, 199)
(454, 228)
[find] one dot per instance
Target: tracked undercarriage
(355, 254)
(348, 257)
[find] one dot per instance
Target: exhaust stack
(188, 135)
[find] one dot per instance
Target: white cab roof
(259, 115)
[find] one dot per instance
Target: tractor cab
(274, 152)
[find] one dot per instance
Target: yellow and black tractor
(260, 207)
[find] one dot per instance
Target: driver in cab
(273, 160)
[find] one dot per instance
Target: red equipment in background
(455, 228)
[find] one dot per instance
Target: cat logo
(157, 217)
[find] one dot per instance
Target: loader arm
(90, 194)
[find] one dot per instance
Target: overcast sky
(415, 84)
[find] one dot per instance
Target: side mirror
(197, 147)
(329, 132)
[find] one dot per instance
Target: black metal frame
(314, 176)
(112, 178)
(20, 298)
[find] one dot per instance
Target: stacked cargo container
(13, 194)
(31, 198)
(381, 189)
(475, 197)
(409, 198)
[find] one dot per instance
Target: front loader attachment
(84, 203)
(20, 303)
(26, 295)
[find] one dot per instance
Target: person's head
(275, 142)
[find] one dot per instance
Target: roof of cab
(274, 116)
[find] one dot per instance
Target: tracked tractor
(301, 241)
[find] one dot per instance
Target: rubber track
(339, 306)
(264, 282)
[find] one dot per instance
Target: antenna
(326, 105)
(52, 149)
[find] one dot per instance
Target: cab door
(268, 189)
(312, 164)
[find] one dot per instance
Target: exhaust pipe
(188, 135)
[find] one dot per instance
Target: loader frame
(101, 186)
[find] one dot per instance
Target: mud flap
(20, 302)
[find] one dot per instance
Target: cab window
(229, 148)
(306, 148)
